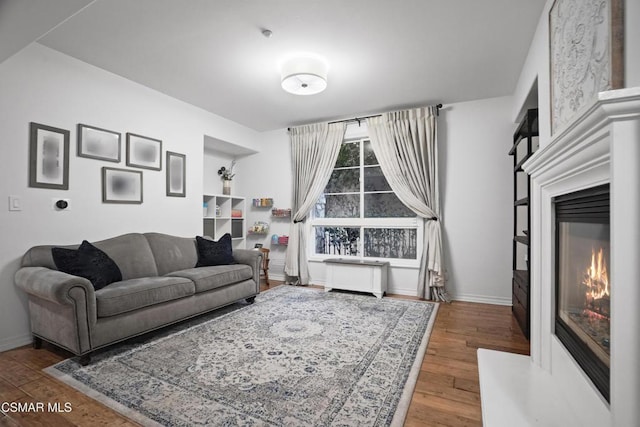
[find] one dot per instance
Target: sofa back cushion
(131, 253)
(172, 253)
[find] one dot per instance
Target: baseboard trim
(482, 299)
(279, 277)
(15, 342)
(400, 291)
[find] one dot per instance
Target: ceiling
(383, 55)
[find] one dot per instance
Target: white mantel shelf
(549, 388)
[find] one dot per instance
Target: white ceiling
(383, 54)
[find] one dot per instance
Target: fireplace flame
(596, 281)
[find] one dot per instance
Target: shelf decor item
(279, 240)
(259, 227)
(144, 152)
(226, 187)
(99, 144)
(227, 175)
(263, 202)
(283, 240)
(281, 213)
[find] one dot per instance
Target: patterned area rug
(297, 357)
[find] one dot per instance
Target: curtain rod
(360, 119)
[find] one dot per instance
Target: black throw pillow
(88, 262)
(214, 253)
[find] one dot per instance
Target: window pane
(374, 179)
(349, 155)
(338, 206)
(343, 181)
(385, 205)
(369, 155)
(390, 243)
(337, 240)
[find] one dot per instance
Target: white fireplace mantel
(602, 146)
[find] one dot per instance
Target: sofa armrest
(62, 307)
(251, 258)
(53, 285)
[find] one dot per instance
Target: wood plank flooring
(447, 392)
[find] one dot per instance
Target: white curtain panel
(405, 143)
(314, 151)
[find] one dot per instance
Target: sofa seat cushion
(208, 278)
(129, 295)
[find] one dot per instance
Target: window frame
(362, 222)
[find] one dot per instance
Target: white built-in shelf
(216, 225)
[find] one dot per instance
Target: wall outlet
(61, 204)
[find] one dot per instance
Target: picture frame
(176, 165)
(144, 152)
(99, 144)
(48, 157)
(257, 246)
(121, 186)
(584, 58)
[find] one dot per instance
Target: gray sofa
(159, 286)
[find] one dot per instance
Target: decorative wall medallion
(586, 55)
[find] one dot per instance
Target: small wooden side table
(265, 264)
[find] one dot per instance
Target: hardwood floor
(447, 392)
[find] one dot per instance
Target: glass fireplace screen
(584, 287)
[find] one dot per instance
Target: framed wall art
(144, 152)
(586, 55)
(121, 186)
(99, 144)
(48, 157)
(176, 165)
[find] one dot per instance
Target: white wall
(268, 174)
(476, 190)
(41, 85)
(212, 162)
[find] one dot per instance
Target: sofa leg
(85, 359)
(37, 342)
(251, 300)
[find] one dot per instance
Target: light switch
(15, 203)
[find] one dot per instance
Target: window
(358, 215)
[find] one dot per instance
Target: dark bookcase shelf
(523, 137)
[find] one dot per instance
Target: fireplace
(583, 288)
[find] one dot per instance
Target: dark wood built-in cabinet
(525, 142)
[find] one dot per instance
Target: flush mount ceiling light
(304, 75)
